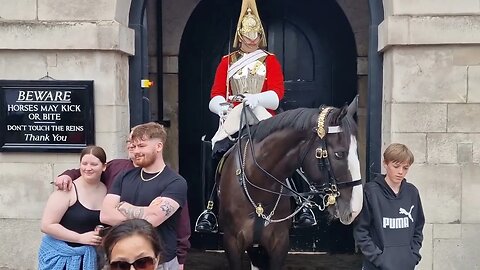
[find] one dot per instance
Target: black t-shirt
(132, 189)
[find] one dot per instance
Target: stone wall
(358, 16)
(71, 40)
(174, 20)
(431, 103)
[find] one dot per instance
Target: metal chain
(243, 177)
(268, 219)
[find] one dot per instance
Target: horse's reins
(330, 193)
(249, 135)
(242, 158)
(259, 208)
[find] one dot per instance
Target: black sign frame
(67, 106)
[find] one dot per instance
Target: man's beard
(145, 160)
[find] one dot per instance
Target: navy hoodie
(388, 231)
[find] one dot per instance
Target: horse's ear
(352, 108)
(343, 112)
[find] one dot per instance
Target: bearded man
(152, 191)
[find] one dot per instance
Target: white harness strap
(334, 129)
(245, 60)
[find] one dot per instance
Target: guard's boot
(304, 218)
(206, 222)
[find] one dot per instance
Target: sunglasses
(145, 263)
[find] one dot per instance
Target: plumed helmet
(249, 24)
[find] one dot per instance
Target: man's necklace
(151, 178)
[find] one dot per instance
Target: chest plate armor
(250, 78)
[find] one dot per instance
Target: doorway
(315, 45)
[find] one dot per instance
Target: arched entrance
(315, 45)
(138, 64)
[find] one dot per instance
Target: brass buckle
(210, 205)
(321, 153)
(259, 210)
(331, 199)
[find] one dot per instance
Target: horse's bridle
(330, 190)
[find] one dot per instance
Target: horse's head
(331, 163)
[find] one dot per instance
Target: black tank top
(80, 219)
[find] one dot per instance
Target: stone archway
(205, 40)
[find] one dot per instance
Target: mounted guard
(249, 76)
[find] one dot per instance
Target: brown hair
(97, 151)
(149, 130)
(129, 228)
(397, 152)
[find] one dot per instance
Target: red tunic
(273, 78)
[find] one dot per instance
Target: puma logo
(408, 214)
(399, 223)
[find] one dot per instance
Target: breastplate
(250, 78)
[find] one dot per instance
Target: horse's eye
(340, 155)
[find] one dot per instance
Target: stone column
(69, 40)
(174, 20)
(431, 103)
(358, 15)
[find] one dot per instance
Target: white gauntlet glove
(251, 100)
(267, 99)
(217, 107)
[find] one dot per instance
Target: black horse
(254, 197)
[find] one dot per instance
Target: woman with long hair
(70, 217)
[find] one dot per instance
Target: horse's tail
(259, 257)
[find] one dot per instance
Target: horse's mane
(300, 119)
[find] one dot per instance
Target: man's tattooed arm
(161, 209)
(167, 208)
(130, 211)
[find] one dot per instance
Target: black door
(315, 45)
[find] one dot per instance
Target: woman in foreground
(133, 242)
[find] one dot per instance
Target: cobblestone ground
(204, 260)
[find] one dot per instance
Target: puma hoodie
(388, 231)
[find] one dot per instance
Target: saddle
(219, 168)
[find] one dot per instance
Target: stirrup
(213, 222)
